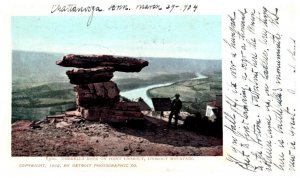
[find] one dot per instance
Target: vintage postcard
(151, 87)
(93, 92)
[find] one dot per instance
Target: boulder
(127, 106)
(97, 94)
(21, 125)
(62, 124)
(91, 113)
(122, 64)
(109, 114)
(92, 75)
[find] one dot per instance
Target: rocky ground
(86, 138)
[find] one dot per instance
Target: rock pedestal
(114, 113)
(97, 94)
(92, 75)
(97, 98)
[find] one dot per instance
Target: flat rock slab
(110, 114)
(100, 94)
(127, 106)
(122, 64)
(92, 75)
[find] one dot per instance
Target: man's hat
(177, 94)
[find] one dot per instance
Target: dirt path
(84, 138)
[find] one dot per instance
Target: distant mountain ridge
(178, 65)
(40, 67)
(40, 87)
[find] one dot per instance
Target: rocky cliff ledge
(97, 98)
(80, 137)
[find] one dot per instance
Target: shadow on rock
(157, 131)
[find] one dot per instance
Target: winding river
(142, 92)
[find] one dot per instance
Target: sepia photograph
(119, 86)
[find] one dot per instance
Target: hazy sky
(144, 36)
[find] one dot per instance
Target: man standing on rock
(176, 106)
